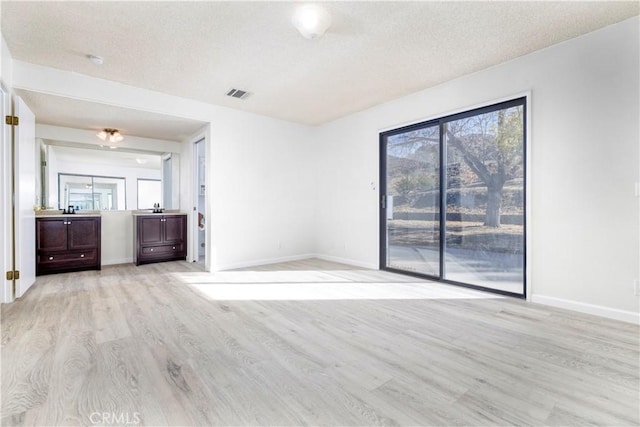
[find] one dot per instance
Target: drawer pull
(50, 258)
(174, 248)
(81, 255)
(151, 250)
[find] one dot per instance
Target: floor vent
(237, 93)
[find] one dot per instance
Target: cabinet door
(51, 234)
(174, 228)
(83, 233)
(150, 230)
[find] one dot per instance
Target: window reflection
(86, 192)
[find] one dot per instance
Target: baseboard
(267, 261)
(264, 261)
(598, 310)
(346, 261)
(117, 261)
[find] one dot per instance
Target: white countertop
(167, 212)
(59, 215)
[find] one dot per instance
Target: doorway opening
(167, 181)
(199, 210)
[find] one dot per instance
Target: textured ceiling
(373, 52)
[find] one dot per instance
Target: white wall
(51, 183)
(6, 65)
(263, 191)
(584, 249)
(281, 190)
(260, 193)
(260, 175)
(117, 237)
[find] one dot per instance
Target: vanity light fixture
(311, 20)
(111, 135)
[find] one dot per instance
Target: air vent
(237, 93)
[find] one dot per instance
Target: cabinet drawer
(58, 262)
(163, 250)
(83, 257)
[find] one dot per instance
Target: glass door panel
(484, 225)
(453, 198)
(412, 200)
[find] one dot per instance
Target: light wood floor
(304, 343)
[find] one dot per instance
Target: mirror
(85, 192)
(94, 178)
(149, 193)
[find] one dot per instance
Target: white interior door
(25, 173)
(6, 247)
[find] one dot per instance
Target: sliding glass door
(412, 200)
(453, 198)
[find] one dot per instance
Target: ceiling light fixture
(311, 20)
(112, 135)
(97, 60)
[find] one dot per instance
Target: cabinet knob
(81, 255)
(151, 250)
(50, 258)
(174, 248)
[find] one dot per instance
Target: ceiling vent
(237, 93)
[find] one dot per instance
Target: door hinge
(12, 120)
(13, 275)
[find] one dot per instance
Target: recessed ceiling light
(311, 20)
(97, 60)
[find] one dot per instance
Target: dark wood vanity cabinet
(67, 244)
(159, 237)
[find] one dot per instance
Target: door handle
(50, 258)
(383, 201)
